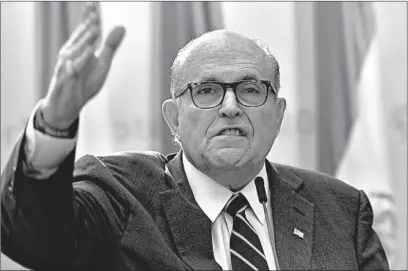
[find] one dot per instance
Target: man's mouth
(232, 132)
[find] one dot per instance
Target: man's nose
(230, 107)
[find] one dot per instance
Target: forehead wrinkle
(226, 61)
(224, 52)
(230, 71)
(226, 55)
(249, 71)
(225, 44)
(220, 65)
(221, 60)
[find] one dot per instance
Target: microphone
(260, 189)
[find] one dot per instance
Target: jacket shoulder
(314, 180)
(139, 161)
(127, 174)
(121, 162)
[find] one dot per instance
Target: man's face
(202, 132)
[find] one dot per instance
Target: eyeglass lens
(210, 94)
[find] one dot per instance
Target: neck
(233, 178)
(237, 178)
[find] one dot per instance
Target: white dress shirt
(44, 153)
(212, 197)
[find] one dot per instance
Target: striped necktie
(245, 246)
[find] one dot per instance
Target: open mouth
(232, 132)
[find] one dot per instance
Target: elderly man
(197, 209)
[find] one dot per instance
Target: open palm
(80, 71)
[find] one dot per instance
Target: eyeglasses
(249, 93)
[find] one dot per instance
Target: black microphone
(260, 189)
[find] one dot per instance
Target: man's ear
(170, 113)
(281, 107)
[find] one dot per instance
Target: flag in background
(174, 24)
(351, 129)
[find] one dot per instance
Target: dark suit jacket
(136, 211)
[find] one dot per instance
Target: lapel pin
(298, 233)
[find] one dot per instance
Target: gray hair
(184, 56)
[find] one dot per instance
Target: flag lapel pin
(298, 233)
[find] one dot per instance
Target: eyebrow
(214, 79)
(247, 77)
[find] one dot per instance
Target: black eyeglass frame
(224, 86)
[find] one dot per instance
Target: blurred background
(343, 73)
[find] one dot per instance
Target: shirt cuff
(44, 153)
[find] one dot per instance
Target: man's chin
(227, 157)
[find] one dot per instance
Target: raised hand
(80, 72)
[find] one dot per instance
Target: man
(197, 209)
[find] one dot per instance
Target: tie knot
(236, 204)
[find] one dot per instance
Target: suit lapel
(292, 216)
(190, 227)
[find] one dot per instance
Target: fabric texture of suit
(136, 211)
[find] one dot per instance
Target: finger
(111, 45)
(80, 62)
(63, 71)
(59, 71)
(79, 31)
(88, 7)
(92, 20)
(70, 48)
(86, 40)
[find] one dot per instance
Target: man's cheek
(192, 117)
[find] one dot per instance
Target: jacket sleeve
(370, 253)
(61, 222)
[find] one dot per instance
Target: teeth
(231, 132)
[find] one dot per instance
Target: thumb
(111, 45)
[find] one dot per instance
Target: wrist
(57, 121)
(67, 130)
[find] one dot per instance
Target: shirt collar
(250, 193)
(212, 196)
